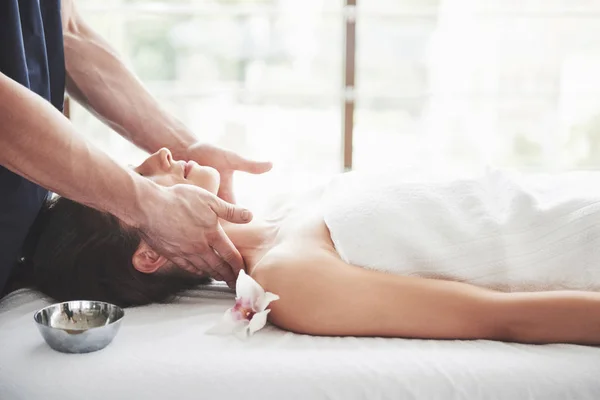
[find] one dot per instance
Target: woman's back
(500, 231)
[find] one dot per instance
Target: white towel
(498, 230)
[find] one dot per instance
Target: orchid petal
(258, 321)
(227, 325)
(248, 288)
(242, 332)
(264, 301)
(249, 314)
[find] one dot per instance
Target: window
(452, 84)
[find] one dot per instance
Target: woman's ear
(146, 260)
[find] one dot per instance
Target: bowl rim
(76, 329)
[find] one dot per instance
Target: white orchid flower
(249, 314)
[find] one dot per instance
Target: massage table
(162, 352)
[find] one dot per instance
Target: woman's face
(163, 170)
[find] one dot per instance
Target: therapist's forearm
(98, 79)
(39, 143)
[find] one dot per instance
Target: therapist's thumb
(231, 212)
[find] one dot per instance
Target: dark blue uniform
(31, 53)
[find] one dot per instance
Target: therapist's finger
(214, 265)
(219, 267)
(229, 212)
(197, 266)
(228, 253)
(210, 265)
(240, 163)
(202, 268)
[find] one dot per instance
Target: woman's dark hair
(76, 252)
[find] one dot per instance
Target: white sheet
(162, 353)
(499, 230)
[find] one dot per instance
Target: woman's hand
(181, 223)
(226, 162)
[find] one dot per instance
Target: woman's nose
(166, 158)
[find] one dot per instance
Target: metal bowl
(79, 326)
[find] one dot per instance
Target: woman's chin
(207, 178)
(214, 190)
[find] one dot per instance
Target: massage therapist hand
(194, 249)
(181, 221)
(226, 162)
(182, 224)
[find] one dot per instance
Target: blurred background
(323, 86)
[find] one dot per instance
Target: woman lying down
(489, 258)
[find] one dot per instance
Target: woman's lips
(188, 168)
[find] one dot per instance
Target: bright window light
(440, 84)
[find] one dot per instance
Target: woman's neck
(253, 240)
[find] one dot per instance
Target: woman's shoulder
(303, 238)
(289, 261)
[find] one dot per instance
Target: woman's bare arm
(322, 295)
